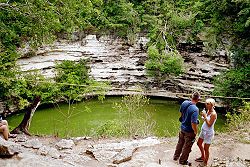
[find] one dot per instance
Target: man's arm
(195, 128)
(194, 121)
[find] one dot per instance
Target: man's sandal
(186, 163)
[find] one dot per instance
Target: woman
(5, 130)
(207, 131)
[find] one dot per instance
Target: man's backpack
(180, 119)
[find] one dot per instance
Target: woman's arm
(212, 119)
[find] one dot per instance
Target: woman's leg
(199, 143)
(4, 129)
(206, 149)
(4, 122)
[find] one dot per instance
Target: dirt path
(223, 148)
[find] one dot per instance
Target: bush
(110, 129)
(233, 83)
(240, 120)
(165, 64)
(136, 120)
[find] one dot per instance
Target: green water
(88, 116)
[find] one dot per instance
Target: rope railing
(141, 90)
(212, 96)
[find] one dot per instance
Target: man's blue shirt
(189, 115)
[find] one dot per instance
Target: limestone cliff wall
(113, 59)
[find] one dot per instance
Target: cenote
(88, 116)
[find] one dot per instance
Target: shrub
(240, 120)
(136, 120)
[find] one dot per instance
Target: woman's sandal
(199, 159)
(12, 135)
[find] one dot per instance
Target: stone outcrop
(144, 152)
(124, 155)
(8, 148)
(114, 60)
(120, 151)
(65, 144)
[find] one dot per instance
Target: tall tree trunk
(25, 124)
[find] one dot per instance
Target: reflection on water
(86, 117)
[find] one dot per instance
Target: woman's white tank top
(206, 127)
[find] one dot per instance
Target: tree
(25, 124)
(71, 84)
(75, 81)
(227, 27)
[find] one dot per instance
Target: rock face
(144, 152)
(120, 151)
(8, 149)
(65, 144)
(114, 60)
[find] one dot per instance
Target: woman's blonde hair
(211, 101)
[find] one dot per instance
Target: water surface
(87, 116)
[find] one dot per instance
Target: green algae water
(87, 117)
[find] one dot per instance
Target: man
(189, 128)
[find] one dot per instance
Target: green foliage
(233, 83)
(75, 81)
(240, 58)
(41, 21)
(7, 71)
(33, 23)
(168, 23)
(70, 72)
(238, 121)
(118, 17)
(164, 64)
(226, 20)
(227, 27)
(112, 128)
(35, 84)
(23, 89)
(138, 121)
(171, 20)
(38, 22)
(71, 83)
(15, 89)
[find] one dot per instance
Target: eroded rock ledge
(112, 59)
